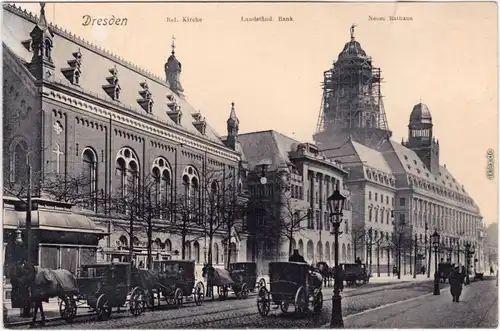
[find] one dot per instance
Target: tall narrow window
(162, 188)
(19, 162)
(89, 160)
(190, 180)
(127, 171)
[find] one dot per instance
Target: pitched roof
(414, 166)
(96, 63)
(269, 146)
(371, 157)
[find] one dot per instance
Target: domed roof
(352, 48)
(420, 114)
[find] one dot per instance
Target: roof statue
(352, 31)
(173, 45)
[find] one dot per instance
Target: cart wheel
(67, 308)
(103, 308)
(244, 291)
(263, 302)
(178, 297)
(318, 302)
(284, 307)
(170, 300)
(199, 294)
(223, 292)
(301, 303)
(262, 282)
(136, 301)
(359, 282)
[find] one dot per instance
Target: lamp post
(472, 252)
(428, 262)
(467, 259)
(435, 243)
(336, 205)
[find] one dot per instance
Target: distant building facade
(298, 181)
(400, 192)
(79, 111)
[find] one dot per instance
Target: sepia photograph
(250, 165)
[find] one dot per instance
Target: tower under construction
(352, 102)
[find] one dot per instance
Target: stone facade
(79, 111)
(310, 179)
(418, 194)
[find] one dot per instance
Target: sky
(445, 57)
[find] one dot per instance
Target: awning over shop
(52, 220)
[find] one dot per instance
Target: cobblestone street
(235, 313)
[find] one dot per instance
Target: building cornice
(98, 107)
(426, 195)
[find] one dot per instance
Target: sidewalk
(394, 279)
(50, 309)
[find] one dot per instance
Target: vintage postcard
(225, 165)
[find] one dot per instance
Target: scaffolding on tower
(352, 99)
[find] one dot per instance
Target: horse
(31, 285)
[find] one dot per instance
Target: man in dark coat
(296, 257)
(456, 281)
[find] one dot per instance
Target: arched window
(301, 247)
(123, 242)
(196, 246)
(127, 170)
(89, 160)
(191, 182)
(19, 162)
(349, 255)
(162, 175)
(294, 244)
(310, 251)
(168, 245)
(327, 252)
(215, 254)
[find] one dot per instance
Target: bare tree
(285, 213)
(357, 238)
(141, 207)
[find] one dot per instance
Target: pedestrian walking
(394, 271)
(456, 282)
(491, 271)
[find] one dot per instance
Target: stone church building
(74, 111)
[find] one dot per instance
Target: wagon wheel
(136, 301)
(318, 302)
(178, 298)
(199, 293)
(284, 306)
(263, 302)
(67, 308)
(223, 292)
(359, 282)
(301, 303)
(244, 291)
(262, 282)
(103, 308)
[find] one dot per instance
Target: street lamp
(435, 243)
(336, 205)
(467, 261)
(472, 252)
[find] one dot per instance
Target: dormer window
(48, 48)
(76, 77)
(116, 95)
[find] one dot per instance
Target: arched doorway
(310, 251)
(196, 246)
(319, 249)
(215, 254)
(327, 252)
(344, 253)
(234, 253)
(301, 247)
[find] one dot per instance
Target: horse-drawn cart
(355, 274)
(176, 280)
(103, 286)
(241, 278)
(291, 283)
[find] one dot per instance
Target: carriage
(355, 273)
(291, 283)
(176, 280)
(103, 286)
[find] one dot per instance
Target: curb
(50, 319)
(327, 325)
